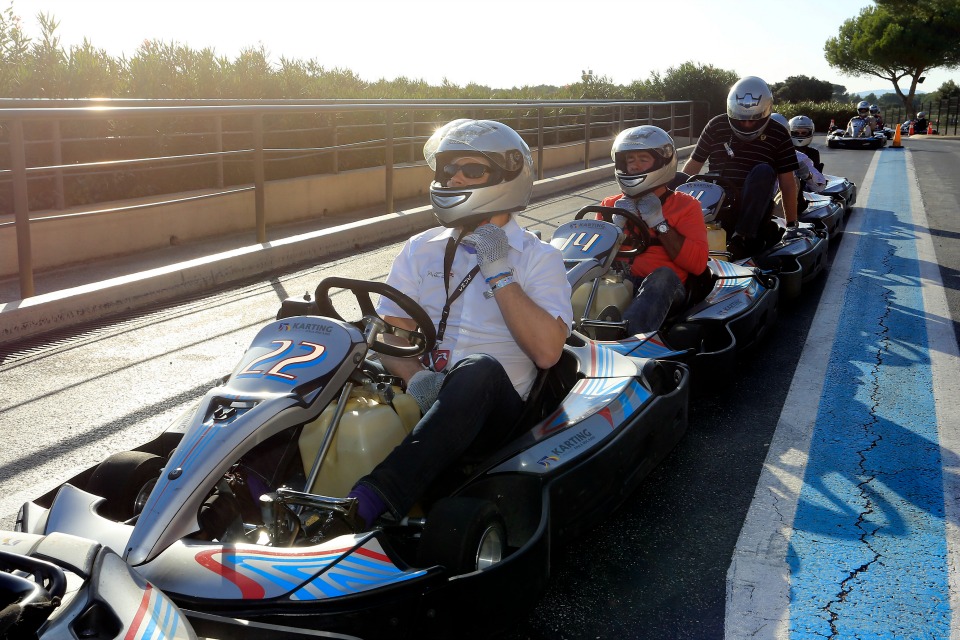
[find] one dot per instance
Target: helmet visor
(801, 133)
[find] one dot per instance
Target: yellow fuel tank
(614, 290)
(368, 431)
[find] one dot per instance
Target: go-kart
(823, 212)
(842, 190)
(60, 586)
(905, 128)
(795, 256)
(857, 135)
(731, 307)
(184, 510)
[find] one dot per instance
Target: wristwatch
(663, 227)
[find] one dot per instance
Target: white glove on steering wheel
(648, 207)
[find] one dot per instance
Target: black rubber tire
(463, 535)
(124, 480)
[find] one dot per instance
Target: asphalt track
(800, 504)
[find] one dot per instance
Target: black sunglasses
(472, 170)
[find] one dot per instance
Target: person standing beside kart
(501, 303)
(753, 157)
(645, 160)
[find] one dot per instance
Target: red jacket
(683, 213)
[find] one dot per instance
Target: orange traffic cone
(910, 132)
(929, 128)
(896, 137)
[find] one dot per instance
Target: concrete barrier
(47, 312)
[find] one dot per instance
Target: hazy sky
(498, 43)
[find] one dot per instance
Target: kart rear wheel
(125, 480)
(463, 535)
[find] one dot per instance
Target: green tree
(802, 88)
(895, 42)
(692, 81)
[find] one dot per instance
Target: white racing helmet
(874, 110)
(645, 138)
(511, 178)
(749, 100)
(801, 130)
(782, 119)
(863, 108)
(921, 114)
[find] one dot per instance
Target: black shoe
(737, 247)
(342, 523)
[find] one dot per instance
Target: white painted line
(945, 370)
(758, 580)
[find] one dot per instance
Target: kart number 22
(315, 352)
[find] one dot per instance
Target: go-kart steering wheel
(422, 341)
(641, 239)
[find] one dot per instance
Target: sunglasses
(472, 170)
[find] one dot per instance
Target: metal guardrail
(34, 131)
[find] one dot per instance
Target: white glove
(424, 386)
(648, 207)
(490, 243)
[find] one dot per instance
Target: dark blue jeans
(659, 294)
(474, 412)
(755, 198)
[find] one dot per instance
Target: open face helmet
(749, 105)
(801, 130)
(510, 180)
(863, 108)
(654, 141)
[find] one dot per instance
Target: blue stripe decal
(868, 554)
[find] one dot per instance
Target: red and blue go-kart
(182, 512)
(730, 307)
(796, 256)
(62, 586)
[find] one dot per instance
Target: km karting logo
(573, 443)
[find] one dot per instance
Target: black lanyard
(447, 266)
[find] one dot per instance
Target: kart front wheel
(125, 481)
(463, 535)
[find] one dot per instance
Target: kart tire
(125, 480)
(831, 144)
(463, 534)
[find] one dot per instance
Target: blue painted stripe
(868, 555)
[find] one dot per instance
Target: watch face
(663, 227)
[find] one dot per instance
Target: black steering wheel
(640, 241)
(421, 341)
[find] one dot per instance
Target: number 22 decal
(315, 352)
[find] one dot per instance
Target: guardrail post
(539, 143)
(388, 161)
(620, 126)
(21, 208)
(335, 141)
(56, 141)
(586, 138)
(673, 124)
(218, 134)
(259, 179)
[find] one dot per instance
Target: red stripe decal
(141, 612)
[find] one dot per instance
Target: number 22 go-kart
(187, 513)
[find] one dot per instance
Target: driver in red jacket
(646, 161)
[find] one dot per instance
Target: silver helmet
(863, 108)
(782, 119)
(646, 138)
(921, 114)
(874, 110)
(749, 101)
(510, 183)
(801, 130)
